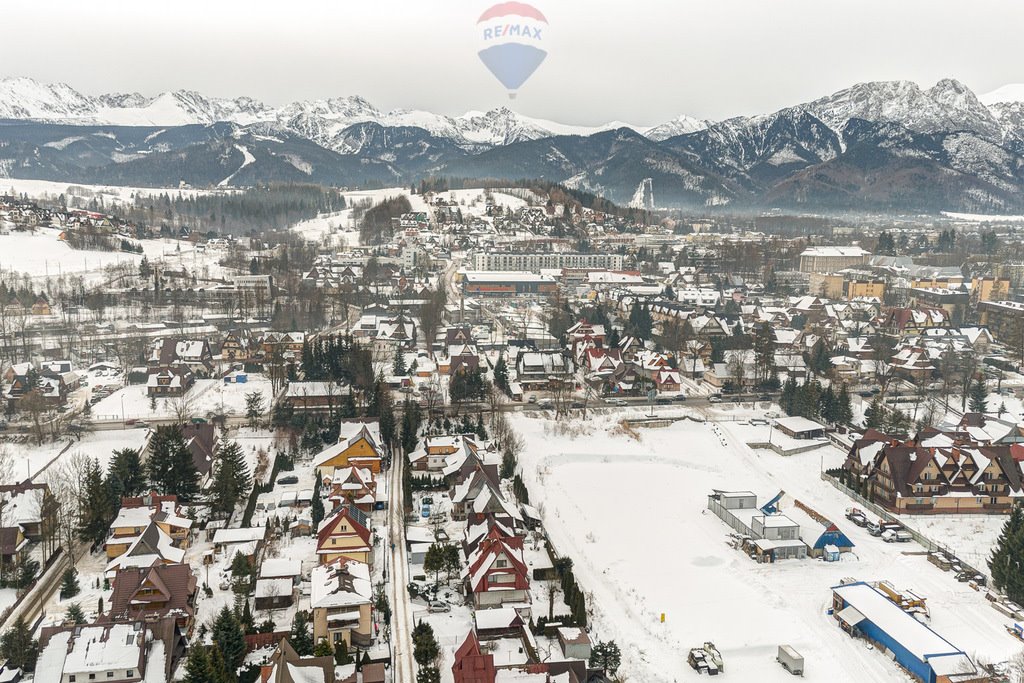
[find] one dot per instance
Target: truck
(791, 660)
(857, 516)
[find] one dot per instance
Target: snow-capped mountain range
(873, 146)
(319, 120)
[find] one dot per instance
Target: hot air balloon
(512, 35)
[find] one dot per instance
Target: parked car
(290, 479)
(680, 397)
(532, 399)
(437, 606)
(663, 400)
(715, 399)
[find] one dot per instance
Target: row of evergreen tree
(815, 402)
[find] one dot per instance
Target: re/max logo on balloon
(511, 35)
(512, 31)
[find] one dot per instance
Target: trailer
(791, 660)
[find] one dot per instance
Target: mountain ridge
(883, 145)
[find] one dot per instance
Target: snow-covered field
(631, 514)
(206, 396)
(337, 230)
(110, 194)
(43, 255)
(983, 218)
(29, 459)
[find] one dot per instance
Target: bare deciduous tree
(183, 408)
(66, 479)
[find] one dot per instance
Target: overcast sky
(637, 61)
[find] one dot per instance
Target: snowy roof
(280, 567)
(918, 639)
(243, 535)
(272, 588)
(488, 619)
(798, 424)
(834, 251)
(339, 584)
(100, 648)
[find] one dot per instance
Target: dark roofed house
(150, 593)
(938, 472)
(174, 380)
(287, 666)
(12, 547)
(203, 441)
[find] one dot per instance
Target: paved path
(405, 668)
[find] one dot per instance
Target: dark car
(681, 397)
(290, 479)
(663, 401)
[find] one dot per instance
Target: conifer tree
(69, 587)
(197, 667)
(170, 466)
(18, 647)
(1007, 560)
(978, 397)
(231, 480)
(301, 638)
(844, 410)
(317, 509)
(425, 647)
(875, 414)
(97, 507)
(341, 655)
(75, 613)
(323, 648)
(501, 373)
(125, 476)
(229, 639)
(428, 674)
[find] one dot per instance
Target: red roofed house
(471, 664)
(345, 535)
(497, 574)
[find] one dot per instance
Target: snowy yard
(42, 254)
(631, 514)
(29, 459)
(208, 396)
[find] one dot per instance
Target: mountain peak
(1011, 92)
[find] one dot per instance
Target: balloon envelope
(512, 63)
